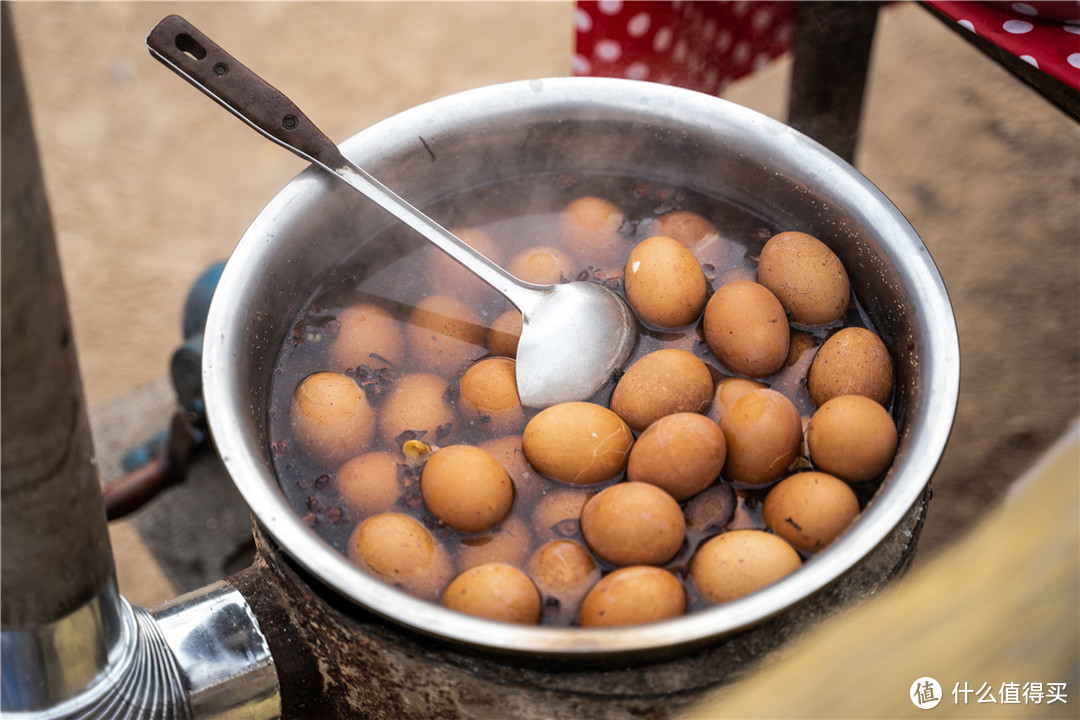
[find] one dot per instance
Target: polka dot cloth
(1044, 34)
(698, 45)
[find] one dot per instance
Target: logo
(925, 693)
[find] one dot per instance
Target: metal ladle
(574, 335)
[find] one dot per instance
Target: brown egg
(443, 335)
(633, 596)
(503, 336)
(633, 523)
(564, 570)
(791, 380)
(369, 336)
(466, 488)
(577, 442)
(728, 390)
(661, 383)
(852, 437)
(712, 509)
(680, 453)
(528, 484)
(331, 418)
(746, 329)
(589, 230)
(853, 361)
(810, 509)
(739, 562)
(695, 232)
(543, 265)
(806, 277)
(371, 483)
(664, 283)
(495, 591)
(739, 273)
(400, 551)
(764, 434)
(447, 276)
(558, 514)
(508, 542)
(415, 407)
(489, 396)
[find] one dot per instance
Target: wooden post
(55, 546)
(831, 55)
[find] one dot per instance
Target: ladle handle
(202, 62)
(198, 59)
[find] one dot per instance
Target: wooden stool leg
(831, 54)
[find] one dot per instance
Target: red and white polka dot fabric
(706, 45)
(1044, 34)
(698, 45)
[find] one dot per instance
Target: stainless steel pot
(588, 125)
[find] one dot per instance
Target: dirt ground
(150, 182)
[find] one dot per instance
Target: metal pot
(610, 126)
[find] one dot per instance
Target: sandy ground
(150, 182)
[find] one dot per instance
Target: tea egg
(764, 434)
(543, 265)
(400, 551)
(369, 335)
(466, 488)
(443, 334)
(633, 523)
(853, 361)
(416, 407)
(694, 231)
(739, 562)
(810, 509)
(680, 453)
(528, 484)
(580, 443)
(661, 383)
(371, 483)
(852, 437)
(557, 514)
(447, 276)
(746, 328)
(633, 596)
(504, 333)
(331, 418)
(488, 396)
(495, 591)
(589, 230)
(508, 542)
(664, 283)
(712, 509)
(806, 277)
(563, 569)
(728, 390)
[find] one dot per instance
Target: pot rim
(929, 425)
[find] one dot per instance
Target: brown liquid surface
(391, 271)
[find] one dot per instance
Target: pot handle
(189, 53)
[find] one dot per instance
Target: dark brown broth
(390, 271)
